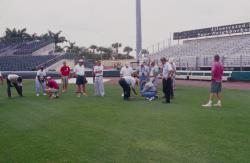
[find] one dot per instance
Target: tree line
(93, 52)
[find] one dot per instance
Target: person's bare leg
(218, 95)
(209, 104)
(78, 91)
(84, 89)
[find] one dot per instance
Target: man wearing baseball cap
(81, 80)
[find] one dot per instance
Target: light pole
(138, 30)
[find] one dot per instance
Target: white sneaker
(208, 105)
(37, 95)
(45, 94)
(217, 105)
(152, 98)
(147, 98)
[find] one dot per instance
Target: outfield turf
(93, 129)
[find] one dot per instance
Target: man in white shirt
(40, 81)
(126, 70)
(14, 80)
(99, 86)
(167, 79)
(81, 80)
(127, 83)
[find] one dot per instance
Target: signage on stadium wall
(213, 31)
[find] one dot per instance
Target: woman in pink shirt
(216, 85)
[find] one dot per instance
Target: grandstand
(26, 56)
(197, 53)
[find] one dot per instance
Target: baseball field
(93, 129)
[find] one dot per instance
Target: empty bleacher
(198, 54)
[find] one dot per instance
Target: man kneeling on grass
(149, 91)
(52, 88)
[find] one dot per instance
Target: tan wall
(112, 62)
(46, 50)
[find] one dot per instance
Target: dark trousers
(167, 86)
(172, 89)
(126, 88)
(19, 89)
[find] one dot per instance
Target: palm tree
(127, 50)
(15, 35)
(93, 48)
(116, 46)
(144, 52)
(102, 50)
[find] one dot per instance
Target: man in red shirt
(216, 85)
(52, 88)
(65, 72)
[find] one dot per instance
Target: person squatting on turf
(143, 71)
(99, 86)
(65, 73)
(167, 79)
(40, 81)
(126, 71)
(14, 80)
(127, 83)
(149, 91)
(81, 80)
(52, 88)
(216, 83)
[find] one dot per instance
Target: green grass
(92, 129)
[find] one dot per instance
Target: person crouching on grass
(52, 88)
(127, 83)
(149, 91)
(14, 80)
(216, 85)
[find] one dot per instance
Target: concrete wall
(46, 50)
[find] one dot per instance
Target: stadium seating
(25, 63)
(234, 50)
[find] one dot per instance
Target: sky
(103, 22)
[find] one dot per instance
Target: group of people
(49, 86)
(146, 76)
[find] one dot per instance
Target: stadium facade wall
(46, 50)
(240, 76)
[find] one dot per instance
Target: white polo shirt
(166, 69)
(130, 80)
(41, 74)
(79, 70)
(126, 71)
(98, 68)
